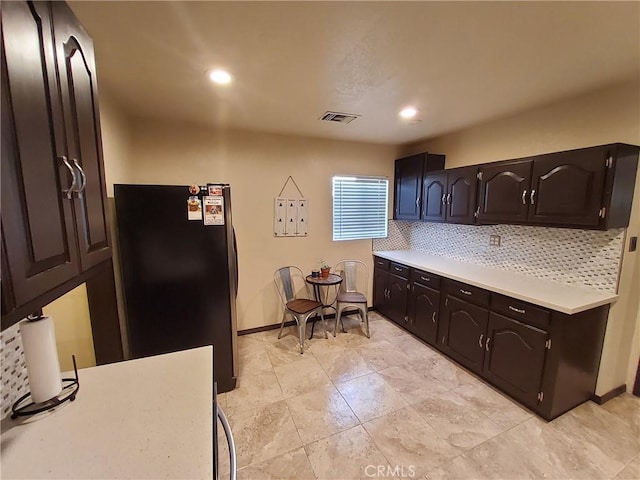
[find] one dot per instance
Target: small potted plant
(324, 269)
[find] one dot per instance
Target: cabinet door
(515, 358)
(37, 219)
(408, 182)
(461, 195)
(504, 192)
(567, 187)
(422, 311)
(397, 299)
(466, 331)
(77, 71)
(380, 286)
(434, 191)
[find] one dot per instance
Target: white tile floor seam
(452, 424)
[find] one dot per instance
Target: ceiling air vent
(339, 117)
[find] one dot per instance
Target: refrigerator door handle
(235, 256)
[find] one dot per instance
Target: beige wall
(116, 141)
(256, 166)
(116, 145)
(72, 325)
(610, 115)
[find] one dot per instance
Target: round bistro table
(318, 282)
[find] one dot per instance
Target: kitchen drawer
(399, 269)
(520, 310)
(468, 292)
(382, 263)
(425, 278)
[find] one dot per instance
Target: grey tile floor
(392, 407)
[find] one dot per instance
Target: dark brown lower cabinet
(545, 359)
(514, 358)
(398, 299)
(380, 286)
(422, 312)
(463, 333)
(390, 295)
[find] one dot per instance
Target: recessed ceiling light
(408, 112)
(221, 77)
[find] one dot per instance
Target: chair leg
(302, 323)
(365, 317)
(324, 324)
(284, 317)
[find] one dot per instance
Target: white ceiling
(459, 63)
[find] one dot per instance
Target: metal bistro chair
(294, 293)
(355, 275)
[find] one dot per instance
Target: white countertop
(556, 296)
(141, 419)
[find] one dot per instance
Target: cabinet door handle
(398, 269)
(480, 340)
(517, 310)
(425, 279)
(486, 345)
(433, 317)
(532, 198)
(418, 202)
(465, 292)
(524, 197)
(444, 198)
(83, 184)
(72, 188)
(448, 199)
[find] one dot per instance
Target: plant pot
(324, 272)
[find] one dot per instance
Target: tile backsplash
(13, 378)
(589, 258)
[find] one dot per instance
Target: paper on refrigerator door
(194, 208)
(213, 210)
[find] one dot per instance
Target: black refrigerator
(179, 267)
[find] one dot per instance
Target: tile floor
(393, 407)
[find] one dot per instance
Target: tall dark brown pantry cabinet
(409, 173)
(55, 232)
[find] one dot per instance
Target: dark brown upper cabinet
(583, 188)
(409, 173)
(54, 225)
(450, 196)
(503, 192)
(434, 197)
(76, 67)
(37, 214)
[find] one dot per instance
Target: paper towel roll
(41, 355)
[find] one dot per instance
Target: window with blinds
(360, 207)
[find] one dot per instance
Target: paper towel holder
(69, 391)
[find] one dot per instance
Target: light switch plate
(494, 240)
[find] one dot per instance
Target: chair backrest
(355, 275)
(290, 283)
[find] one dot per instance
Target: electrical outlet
(633, 244)
(494, 240)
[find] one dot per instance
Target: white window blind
(360, 207)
